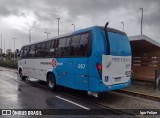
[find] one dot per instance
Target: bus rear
(114, 68)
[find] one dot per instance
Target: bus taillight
(99, 68)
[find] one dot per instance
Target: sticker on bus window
(54, 63)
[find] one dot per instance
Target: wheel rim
(51, 82)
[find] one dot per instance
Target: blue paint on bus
(68, 74)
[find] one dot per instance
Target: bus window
(61, 47)
(84, 44)
(47, 49)
(52, 49)
(38, 50)
(42, 49)
(67, 47)
(31, 51)
(75, 47)
(21, 52)
(68, 41)
(25, 53)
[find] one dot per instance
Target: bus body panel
(98, 48)
(81, 72)
(66, 75)
(111, 74)
(55, 73)
(72, 72)
(36, 68)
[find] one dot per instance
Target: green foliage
(8, 63)
(8, 56)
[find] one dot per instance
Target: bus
(95, 59)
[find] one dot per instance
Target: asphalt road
(33, 94)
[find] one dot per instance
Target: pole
(142, 22)
(47, 34)
(74, 26)
(14, 46)
(123, 25)
(4, 47)
(29, 31)
(58, 25)
(29, 36)
(1, 43)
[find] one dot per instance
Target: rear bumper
(100, 87)
(118, 86)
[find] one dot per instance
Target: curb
(140, 95)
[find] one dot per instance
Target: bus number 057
(81, 66)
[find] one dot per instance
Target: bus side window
(21, 52)
(84, 44)
(42, 49)
(67, 47)
(52, 49)
(47, 49)
(61, 47)
(25, 52)
(75, 48)
(31, 51)
(38, 50)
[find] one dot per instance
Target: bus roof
(113, 30)
(61, 36)
(79, 31)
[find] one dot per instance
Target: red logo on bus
(54, 63)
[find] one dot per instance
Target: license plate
(117, 79)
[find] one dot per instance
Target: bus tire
(51, 82)
(21, 74)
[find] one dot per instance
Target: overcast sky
(16, 16)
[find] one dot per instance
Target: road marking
(73, 103)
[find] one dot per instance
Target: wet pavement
(17, 94)
(33, 94)
(144, 89)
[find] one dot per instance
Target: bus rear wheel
(21, 74)
(51, 82)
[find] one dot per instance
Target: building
(8, 51)
(145, 57)
(1, 51)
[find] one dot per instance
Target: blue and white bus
(95, 59)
